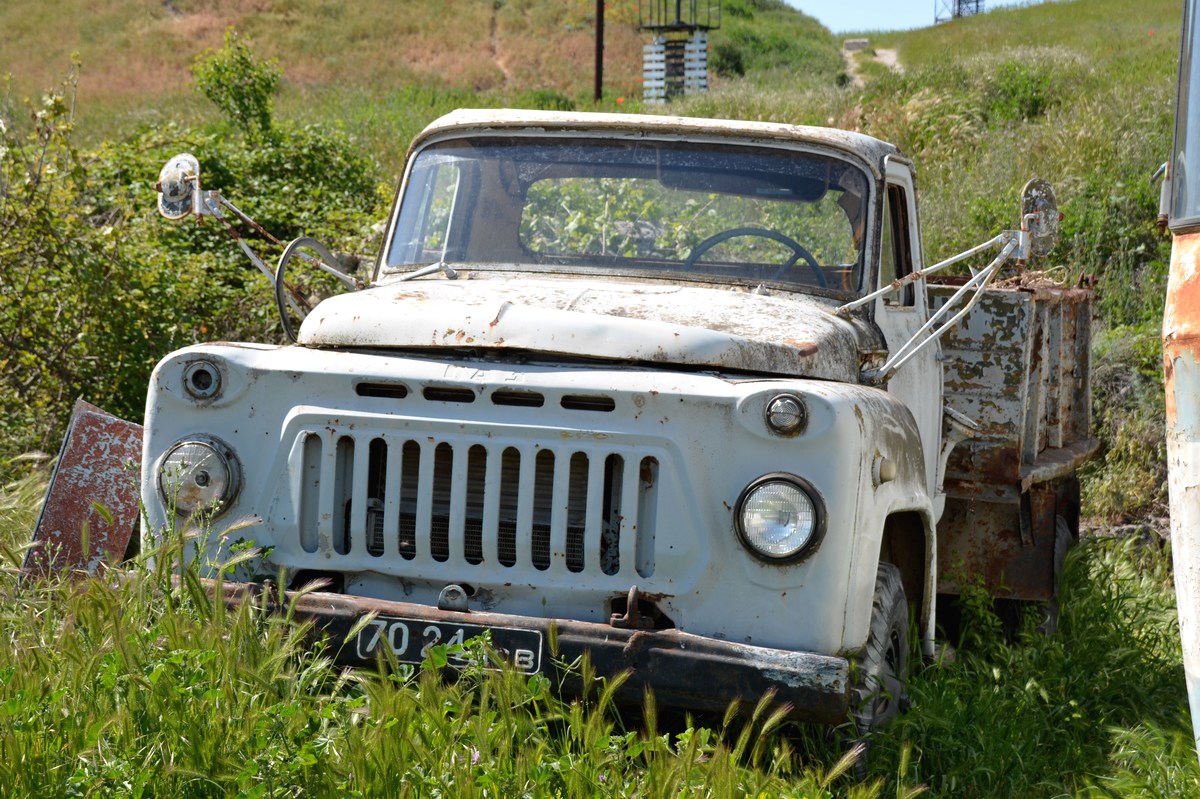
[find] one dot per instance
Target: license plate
(411, 639)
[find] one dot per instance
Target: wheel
(798, 250)
(878, 693)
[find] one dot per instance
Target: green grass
(137, 685)
(1061, 715)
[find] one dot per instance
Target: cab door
(901, 314)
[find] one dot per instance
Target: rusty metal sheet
(91, 507)
(1009, 547)
(681, 670)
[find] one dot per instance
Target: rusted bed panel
(1018, 367)
(91, 508)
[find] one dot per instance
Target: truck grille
(477, 503)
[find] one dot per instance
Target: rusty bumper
(682, 670)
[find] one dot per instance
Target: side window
(895, 253)
(427, 222)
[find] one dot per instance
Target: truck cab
(666, 392)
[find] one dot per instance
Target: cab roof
(867, 148)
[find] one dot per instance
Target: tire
(879, 693)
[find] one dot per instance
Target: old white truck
(674, 393)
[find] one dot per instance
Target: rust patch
(1181, 317)
(1007, 546)
(499, 314)
(804, 348)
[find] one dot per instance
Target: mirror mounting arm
(180, 196)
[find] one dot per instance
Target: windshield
(682, 210)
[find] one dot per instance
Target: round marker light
(198, 476)
(202, 380)
(779, 517)
(786, 415)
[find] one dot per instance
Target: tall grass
(135, 684)
(1069, 713)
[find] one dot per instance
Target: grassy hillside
(382, 68)
(137, 52)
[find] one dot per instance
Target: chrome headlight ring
(199, 475)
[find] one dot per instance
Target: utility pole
(599, 91)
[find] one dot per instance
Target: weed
(1018, 92)
(1040, 715)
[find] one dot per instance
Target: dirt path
(889, 58)
(494, 42)
(852, 50)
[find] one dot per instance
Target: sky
(841, 16)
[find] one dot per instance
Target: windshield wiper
(440, 266)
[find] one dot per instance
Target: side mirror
(179, 187)
(1040, 217)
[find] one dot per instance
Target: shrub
(95, 287)
(238, 83)
(546, 100)
(727, 60)
(75, 313)
(1018, 91)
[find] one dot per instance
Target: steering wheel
(798, 251)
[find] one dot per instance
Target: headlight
(779, 517)
(199, 476)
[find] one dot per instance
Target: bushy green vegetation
(768, 41)
(1061, 714)
(96, 287)
(239, 84)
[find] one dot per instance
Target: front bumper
(681, 670)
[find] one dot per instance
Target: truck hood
(722, 328)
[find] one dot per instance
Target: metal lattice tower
(951, 9)
(676, 62)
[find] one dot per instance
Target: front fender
(894, 483)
